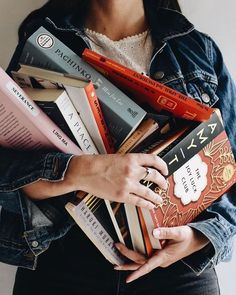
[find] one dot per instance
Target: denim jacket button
(35, 244)
(205, 98)
(159, 75)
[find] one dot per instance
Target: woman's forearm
(113, 177)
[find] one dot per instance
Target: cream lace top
(134, 52)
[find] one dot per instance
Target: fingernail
(159, 199)
(129, 281)
(117, 246)
(156, 233)
(165, 186)
(117, 267)
(151, 206)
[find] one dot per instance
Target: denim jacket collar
(165, 24)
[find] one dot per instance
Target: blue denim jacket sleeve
(218, 222)
(18, 169)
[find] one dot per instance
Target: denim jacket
(184, 59)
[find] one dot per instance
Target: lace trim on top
(133, 51)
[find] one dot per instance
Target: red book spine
(146, 89)
(99, 118)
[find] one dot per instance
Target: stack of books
(59, 101)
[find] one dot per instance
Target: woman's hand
(117, 177)
(182, 241)
(113, 177)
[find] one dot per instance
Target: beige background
(215, 17)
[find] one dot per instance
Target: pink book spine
(47, 132)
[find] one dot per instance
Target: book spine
(178, 153)
(139, 134)
(146, 223)
(122, 115)
(76, 125)
(32, 112)
(159, 96)
(99, 118)
(94, 228)
(150, 242)
(135, 228)
(53, 112)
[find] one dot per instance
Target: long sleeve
(218, 222)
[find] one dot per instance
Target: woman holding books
(36, 185)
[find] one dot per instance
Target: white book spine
(76, 125)
(135, 229)
(80, 101)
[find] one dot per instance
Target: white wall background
(215, 17)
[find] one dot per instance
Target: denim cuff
(217, 233)
(23, 169)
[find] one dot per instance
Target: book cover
(62, 102)
(145, 89)
(44, 50)
(24, 126)
(91, 214)
(81, 93)
(201, 169)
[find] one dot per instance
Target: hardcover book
(24, 126)
(201, 169)
(44, 50)
(159, 96)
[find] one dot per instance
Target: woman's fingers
(125, 267)
(155, 176)
(148, 160)
(139, 201)
(152, 263)
(146, 193)
(130, 254)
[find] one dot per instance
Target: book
(24, 126)
(124, 216)
(37, 131)
(120, 222)
(81, 93)
(137, 233)
(145, 89)
(59, 99)
(147, 127)
(43, 49)
(91, 214)
(201, 169)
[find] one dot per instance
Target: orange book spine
(147, 242)
(99, 118)
(146, 89)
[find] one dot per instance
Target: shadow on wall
(9, 24)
